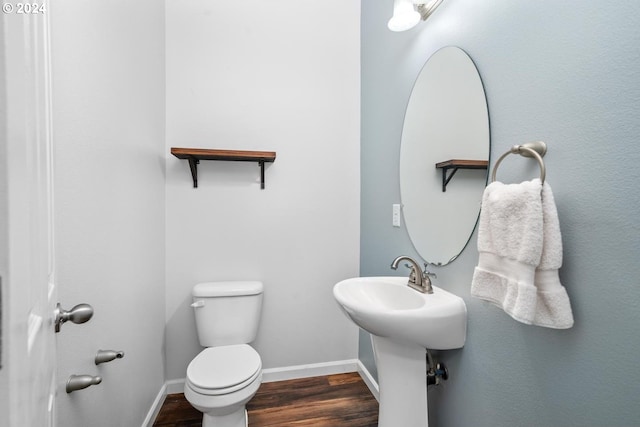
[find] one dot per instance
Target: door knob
(79, 314)
(78, 382)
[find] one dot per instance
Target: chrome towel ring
(535, 149)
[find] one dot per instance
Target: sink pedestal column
(402, 379)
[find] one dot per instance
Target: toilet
(224, 376)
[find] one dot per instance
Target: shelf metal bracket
(193, 165)
(446, 179)
(261, 164)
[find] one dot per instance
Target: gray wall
(567, 73)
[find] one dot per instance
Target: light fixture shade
(404, 16)
(426, 7)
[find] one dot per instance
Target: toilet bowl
(220, 381)
(224, 376)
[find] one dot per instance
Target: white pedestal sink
(403, 323)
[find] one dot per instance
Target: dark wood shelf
(454, 165)
(194, 155)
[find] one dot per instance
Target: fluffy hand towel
(553, 309)
(510, 243)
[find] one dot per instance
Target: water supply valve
(436, 371)
(437, 374)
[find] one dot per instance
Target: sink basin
(403, 323)
(387, 307)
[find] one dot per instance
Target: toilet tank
(227, 312)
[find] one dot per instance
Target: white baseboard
(175, 386)
(306, 371)
(276, 374)
(155, 407)
(368, 379)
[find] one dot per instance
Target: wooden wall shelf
(456, 164)
(194, 155)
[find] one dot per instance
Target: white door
(27, 377)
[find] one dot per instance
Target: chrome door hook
(79, 382)
(104, 356)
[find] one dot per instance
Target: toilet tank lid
(228, 288)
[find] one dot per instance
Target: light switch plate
(396, 215)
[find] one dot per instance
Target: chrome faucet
(418, 279)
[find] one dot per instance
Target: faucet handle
(413, 273)
(409, 266)
(427, 273)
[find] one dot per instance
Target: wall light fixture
(407, 13)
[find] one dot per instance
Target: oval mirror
(446, 124)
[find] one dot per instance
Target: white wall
(108, 81)
(4, 245)
(278, 76)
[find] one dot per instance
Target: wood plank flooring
(341, 400)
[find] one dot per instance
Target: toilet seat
(223, 370)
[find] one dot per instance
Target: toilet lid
(223, 367)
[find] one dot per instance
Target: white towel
(520, 252)
(510, 247)
(553, 309)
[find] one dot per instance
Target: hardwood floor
(341, 400)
